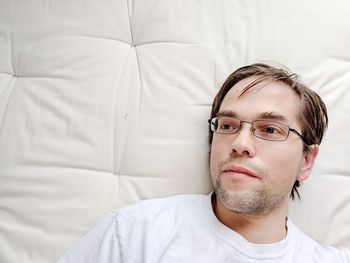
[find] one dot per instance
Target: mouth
(237, 171)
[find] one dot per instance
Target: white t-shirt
(184, 228)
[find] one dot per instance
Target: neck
(264, 229)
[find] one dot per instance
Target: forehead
(267, 96)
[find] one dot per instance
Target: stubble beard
(258, 202)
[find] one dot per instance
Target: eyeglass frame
(210, 121)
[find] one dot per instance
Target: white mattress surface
(104, 103)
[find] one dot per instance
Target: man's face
(252, 175)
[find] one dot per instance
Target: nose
(243, 142)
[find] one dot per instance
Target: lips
(239, 170)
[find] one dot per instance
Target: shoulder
(149, 224)
(312, 251)
(151, 210)
(327, 254)
(139, 227)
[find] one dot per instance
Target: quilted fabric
(104, 103)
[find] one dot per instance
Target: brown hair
(313, 113)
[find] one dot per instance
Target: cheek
(220, 151)
(213, 159)
(217, 154)
(284, 163)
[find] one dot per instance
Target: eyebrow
(269, 115)
(226, 114)
(273, 116)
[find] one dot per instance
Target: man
(265, 130)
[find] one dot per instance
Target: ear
(308, 162)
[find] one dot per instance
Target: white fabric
(185, 229)
(105, 102)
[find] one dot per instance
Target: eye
(270, 130)
(227, 125)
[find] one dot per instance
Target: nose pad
(243, 142)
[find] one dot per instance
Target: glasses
(263, 129)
